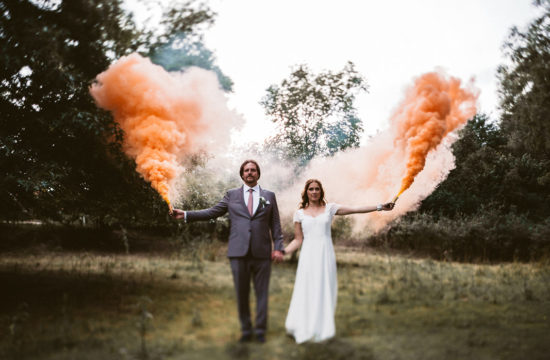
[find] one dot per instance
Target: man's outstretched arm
(211, 213)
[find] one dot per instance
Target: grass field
(93, 306)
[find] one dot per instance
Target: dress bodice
(317, 228)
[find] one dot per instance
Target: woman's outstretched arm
(298, 238)
(346, 210)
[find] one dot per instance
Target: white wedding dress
(311, 312)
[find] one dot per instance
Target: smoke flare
(164, 116)
(434, 106)
(416, 147)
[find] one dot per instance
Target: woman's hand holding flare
(387, 206)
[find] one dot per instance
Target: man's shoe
(245, 338)
(260, 338)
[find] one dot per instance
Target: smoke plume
(415, 147)
(165, 116)
(168, 116)
(433, 107)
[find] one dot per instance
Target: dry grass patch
(90, 306)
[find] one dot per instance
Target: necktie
(250, 201)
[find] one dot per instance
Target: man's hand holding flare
(177, 214)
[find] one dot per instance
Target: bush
(61, 237)
(485, 236)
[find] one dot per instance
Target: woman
(311, 312)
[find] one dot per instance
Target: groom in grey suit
(255, 224)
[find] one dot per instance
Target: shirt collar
(255, 188)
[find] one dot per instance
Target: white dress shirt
(255, 196)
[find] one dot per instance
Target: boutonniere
(264, 202)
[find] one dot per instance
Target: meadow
(181, 305)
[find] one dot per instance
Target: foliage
(181, 52)
(60, 156)
(314, 114)
(486, 235)
(179, 17)
(205, 189)
(495, 204)
(487, 173)
(507, 164)
(525, 87)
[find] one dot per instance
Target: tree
(507, 164)
(497, 200)
(489, 176)
(314, 114)
(525, 87)
(181, 45)
(476, 179)
(59, 154)
(182, 52)
(525, 102)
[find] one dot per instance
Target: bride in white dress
(311, 312)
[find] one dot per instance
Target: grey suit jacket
(256, 231)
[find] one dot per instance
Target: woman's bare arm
(298, 238)
(347, 210)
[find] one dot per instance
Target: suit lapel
(241, 200)
(259, 203)
(245, 208)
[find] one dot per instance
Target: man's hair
(241, 170)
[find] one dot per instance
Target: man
(255, 223)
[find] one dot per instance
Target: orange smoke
(434, 106)
(164, 116)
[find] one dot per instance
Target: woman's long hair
(305, 199)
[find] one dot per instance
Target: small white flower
(264, 202)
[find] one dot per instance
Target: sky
(391, 42)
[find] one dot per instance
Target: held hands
(277, 256)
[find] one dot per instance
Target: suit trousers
(244, 269)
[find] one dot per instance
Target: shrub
(486, 236)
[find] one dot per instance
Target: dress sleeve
(297, 216)
(333, 208)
